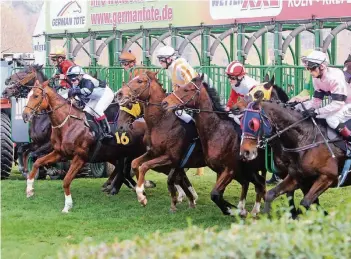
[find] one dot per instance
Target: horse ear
(266, 78)
(151, 75)
(259, 97)
(202, 76)
(272, 80)
(40, 67)
(36, 83)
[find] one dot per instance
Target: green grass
(36, 228)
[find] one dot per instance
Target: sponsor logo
(236, 9)
(68, 14)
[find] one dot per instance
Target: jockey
(347, 69)
(98, 92)
(179, 71)
(128, 62)
(328, 81)
(240, 82)
(58, 57)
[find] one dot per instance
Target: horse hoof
(113, 191)
(149, 184)
(30, 193)
(172, 210)
(192, 205)
(243, 213)
(143, 202)
(65, 210)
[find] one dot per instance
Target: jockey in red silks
(58, 57)
(240, 82)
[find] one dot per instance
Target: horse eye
(35, 96)
(140, 81)
(186, 90)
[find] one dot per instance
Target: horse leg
(322, 183)
(293, 210)
(25, 161)
(190, 187)
(128, 178)
(137, 162)
(241, 205)
(76, 164)
(49, 158)
(260, 188)
(172, 189)
(156, 162)
(217, 192)
(107, 185)
(289, 184)
(187, 188)
(117, 181)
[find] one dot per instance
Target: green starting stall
(237, 26)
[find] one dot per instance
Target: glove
(309, 113)
(73, 92)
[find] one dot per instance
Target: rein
(37, 107)
(183, 104)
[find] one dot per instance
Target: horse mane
(282, 95)
(216, 101)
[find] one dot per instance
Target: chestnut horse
(296, 145)
(167, 136)
(220, 138)
(72, 139)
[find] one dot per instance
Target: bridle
(183, 103)
(135, 95)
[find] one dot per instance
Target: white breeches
(341, 116)
(183, 116)
(99, 100)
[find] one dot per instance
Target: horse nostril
(246, 153)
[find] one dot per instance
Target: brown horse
(168, 137)
(220, 138)
(297, 147)
(71, 138)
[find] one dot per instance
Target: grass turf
(36, 228)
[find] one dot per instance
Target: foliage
(312, 236)
(36, 228)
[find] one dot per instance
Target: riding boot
(344, 131)
(106, 131)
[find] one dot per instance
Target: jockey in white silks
(328, 81)
(180, 72)
(98, 92)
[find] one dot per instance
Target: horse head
(19, 82)
(185, 96)
(37, 101)
(138, 88)
(255, 125)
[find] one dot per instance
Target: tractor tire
(6, 146)
(98, 170)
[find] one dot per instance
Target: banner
(101, 15)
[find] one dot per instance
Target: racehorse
(220, 139)
(171, 142)
(297, 146)
(39, 130)
(71, 138)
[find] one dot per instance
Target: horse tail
(282, 95)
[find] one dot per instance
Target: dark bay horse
(40, 128)
(220, 138)
(296, 145)
(71, 138)
(167, 138)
